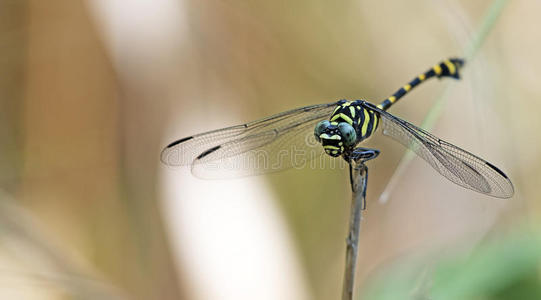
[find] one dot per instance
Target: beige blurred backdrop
(91, 91)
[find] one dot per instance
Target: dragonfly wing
(454, 163)
(271, 144)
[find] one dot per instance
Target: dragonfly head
(335, 137)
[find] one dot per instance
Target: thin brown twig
(358, 179)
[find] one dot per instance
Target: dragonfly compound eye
(320, 128)
(349, 135)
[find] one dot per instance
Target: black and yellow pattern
(447, 68)
(279, 142)
(363, 120)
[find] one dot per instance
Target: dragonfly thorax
(349, 124)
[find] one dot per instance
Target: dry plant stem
(358, 173)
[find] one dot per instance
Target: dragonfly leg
(361, 155)
(358, 172)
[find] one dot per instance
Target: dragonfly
(296, 137)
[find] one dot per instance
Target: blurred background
(91, 91)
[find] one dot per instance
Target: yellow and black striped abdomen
(447, 68)
(363, 120)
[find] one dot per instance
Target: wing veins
(459, 166)
(206, 145)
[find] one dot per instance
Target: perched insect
(295, 137)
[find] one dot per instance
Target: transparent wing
(455, 164)
(278, 142)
